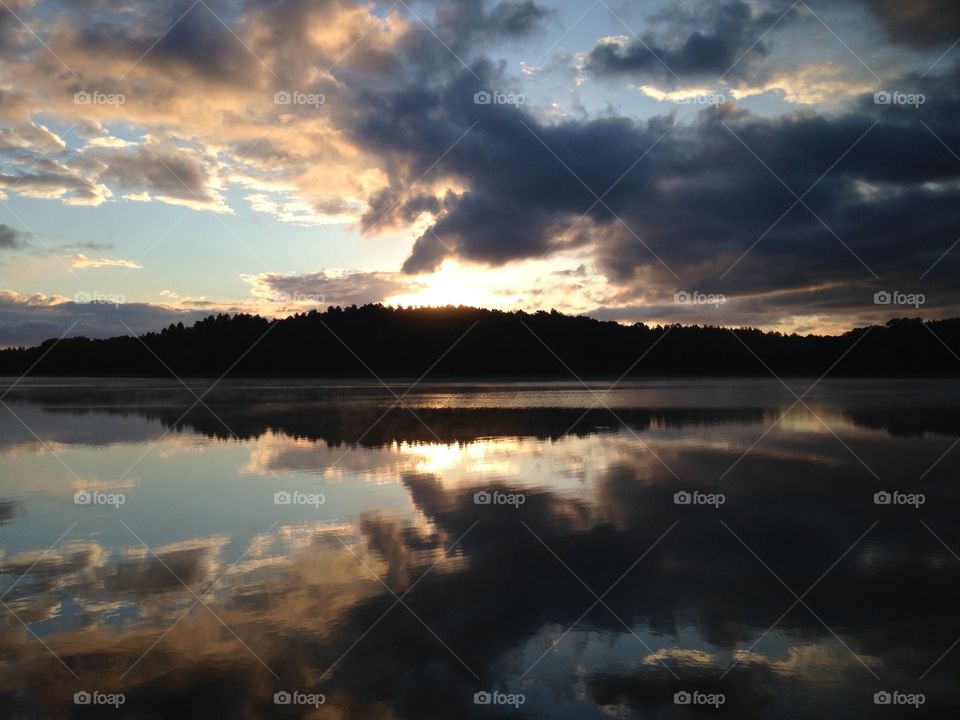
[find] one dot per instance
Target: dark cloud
(507, 20)
(921, 24)
(731, 29)
(14, 37)
(11, 238)
(170, 172)
(735, 37)
(59, 183)
(29, 136)
(480, 227)
(31, 320)
(190, 42)
(14, 104)
(698, 201)
(516, 19)
(390, 207)
(503, 184)
(180, 38)
(329, 288)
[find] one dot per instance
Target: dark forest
(470, 342)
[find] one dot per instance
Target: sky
(792, 166)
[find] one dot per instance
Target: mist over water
(303, 549)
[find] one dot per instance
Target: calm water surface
(491, 550)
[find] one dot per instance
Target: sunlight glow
(454, 284)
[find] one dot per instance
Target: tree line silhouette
(472, 342)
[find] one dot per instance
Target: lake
(664, 548)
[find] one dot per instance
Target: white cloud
(82, 262)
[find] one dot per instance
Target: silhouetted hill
(462, 342)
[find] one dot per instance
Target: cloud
(704, 194)
(202, 96)
(817, 83)
(11, 239)
(88, 246)
(14, 104)
(40, 164)
(289, 207)
(171, 174)
(399, 146)
(82, 262)
(31, 319)
(57, 183)
(30, 136)
(920, 24)
(468, 21)
(731, 30)
(329, 287)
